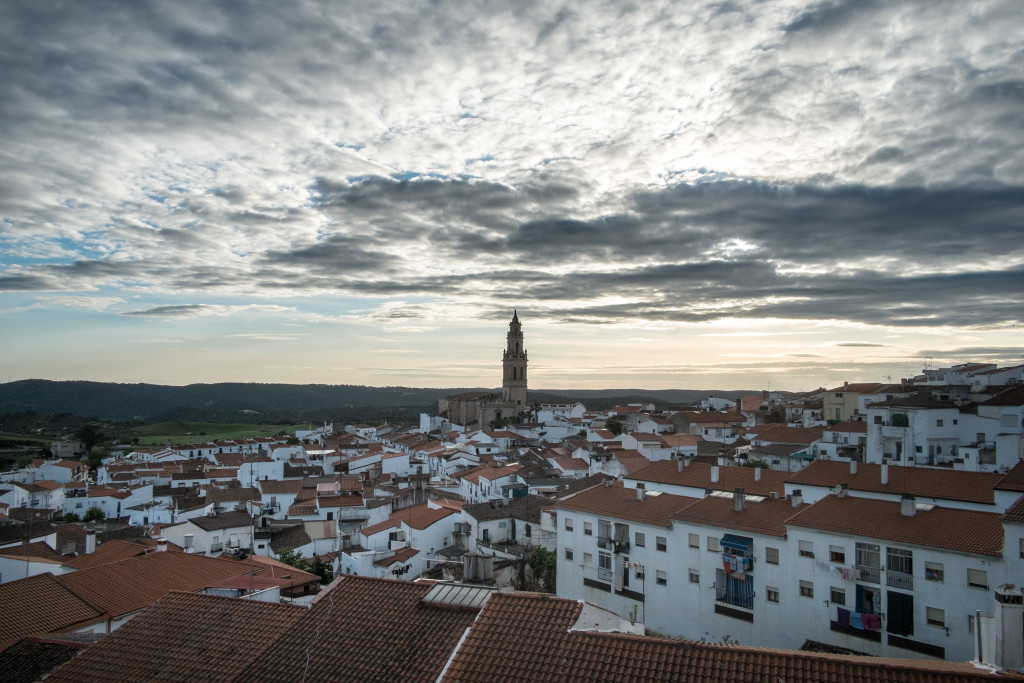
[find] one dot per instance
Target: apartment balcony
(870, 574)
(894, 579)
(891, 432)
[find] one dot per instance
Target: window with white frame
(661, 543)
(639, 540)
(568, 554)
(661, 578)
(588, 559)
(978, 578)
(713, 545)
(695, 541)
(837, 595)
(933, 571)
(568, 523)
(806, 589)
(772, 594)
(806, 549)
(771, 555)
(694, 576)
(837, 554)
(588, 529)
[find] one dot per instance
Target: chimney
(161, 545)
(686, 461)
(885, 474)
(797, 498)
(90, 542)
(714, 474)
(842, 490)
(908, 505)
(853, 467)
(739, 500)
(757, 474)
(680, 463)
(640, 491)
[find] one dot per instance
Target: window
(568, 554)
(604, 564)
(977, 578)
(661, 578)
(935, 616)
(938, 423)
(661, 543)
(713, 544)
(588, 559)
(588, 529)
(1020, 543)
(771, 593)
(639, 572)
(604, 530)
(640, 540)
(837, 553)
(878, 419)
(837, 595)
(933, 571)
(807, 589)
(568, 523)
(695, 541)
(771, 555)
(806, 549)
(694, 576)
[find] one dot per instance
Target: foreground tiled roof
(923, 482)
(185, 637)
(132, 584)
(111, 551)
(698, 475)
(1014, 479)
(41, 604)
(1015, 513)
(32, 658)
(621, 503)
(528, 637)
(366, 629)
(967, 531)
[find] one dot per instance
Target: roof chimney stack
(853, 467)
(90, 542)
(842, 490)
(714, 474)
(757, 474)
(908, 505)
(640, 491)
(161, 545)
(885, 474)
(797, 498)
(739, 500)
(680, 464)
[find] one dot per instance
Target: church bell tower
(513, 381)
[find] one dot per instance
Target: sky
(691, 195)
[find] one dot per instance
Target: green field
(159, 433)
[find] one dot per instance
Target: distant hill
(270, 403)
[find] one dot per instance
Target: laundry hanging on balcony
(736, 566)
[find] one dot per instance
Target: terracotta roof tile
(32, 658)
(111, 551)
(185, 637)
(1015, 513)
(1014, 479)
(967, 531)
(41, 604)
(698, 475)
(766, 517)
(621, 503)
(379, 630)
(923, 482)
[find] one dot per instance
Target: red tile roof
(1014, 479)
(1015, 513)
(41, 604)
(105, 553)
(927, 482)
(966, 531)
(621, 503)
(529, 637)
(765, 517)
(698, 475)
(185, 637)
(365, 629)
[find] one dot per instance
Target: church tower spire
(513, 381)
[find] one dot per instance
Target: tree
(544, 564)
(72, 517)
(293, 558)
(613, 426)
(94, 514)
(321, 569)
(90, 434)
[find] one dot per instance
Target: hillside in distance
(262, 403)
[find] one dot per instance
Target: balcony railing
(895, 579)
(604, 543)
(870, 574)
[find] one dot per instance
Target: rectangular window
(604, 561)
(661, 577)
(837, 595)
(978, 578)
(588, 529)
(806, 549)
(807, 589)
(713, 545)
(568, 523)
(588, 559)
(771, 593)
(695, 541)
(1020, 544)
(938, 423)
(694, 576)
(568, 554)
(935, 616)
(604, 530)
(640, 540)
(771, 555)
(933, 571)
(837, 553)
(661, 543)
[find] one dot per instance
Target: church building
(481, 408)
